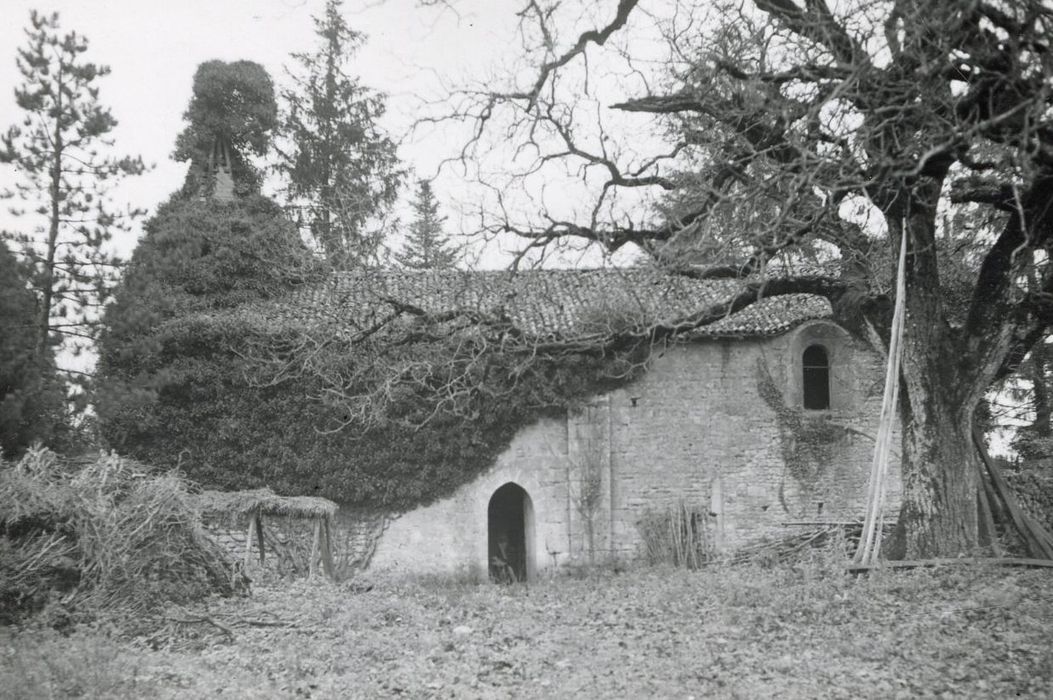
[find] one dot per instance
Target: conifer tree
(342, 170)
(162, 380)
(30, 394)
(65, 178)
(427, 247)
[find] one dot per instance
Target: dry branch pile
(839, 538)
(103, 535)
(1034, 491)
(678, 535)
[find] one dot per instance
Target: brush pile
(678, 536)
(839, 539)
(775, 550)
(103, 534)
(1034, 490)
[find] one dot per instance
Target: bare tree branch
(593, 36)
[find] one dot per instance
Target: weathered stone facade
(717, 424)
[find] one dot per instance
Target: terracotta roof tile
(543, 303)
(769, 316)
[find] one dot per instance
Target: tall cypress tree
(342, 170)
(165, 379)
(427, 247)
(64, 182)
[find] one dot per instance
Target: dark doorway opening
(509, 521)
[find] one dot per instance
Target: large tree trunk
(938, 515)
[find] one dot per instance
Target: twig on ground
(205, 619)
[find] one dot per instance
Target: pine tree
(64, 183)
(427, 247)
(342, 170)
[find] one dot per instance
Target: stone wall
(450, 536)
(716, 425)
(698, 429)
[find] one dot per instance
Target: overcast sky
(154, 46)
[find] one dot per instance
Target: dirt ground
(804, 631)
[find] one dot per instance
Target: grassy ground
(797, 632)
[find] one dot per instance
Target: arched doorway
(510, 530)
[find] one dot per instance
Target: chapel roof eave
(554, 304)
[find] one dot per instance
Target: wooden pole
(870, 539)
(312, 566)
(716, 509)
(327, 552)
(259, 535)
(1000, 561)
(983, 503)
(248, 540)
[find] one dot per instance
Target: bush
(109, 534)
(677, 535)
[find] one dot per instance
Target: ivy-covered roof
(561, 303)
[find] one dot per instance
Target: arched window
(816, 378)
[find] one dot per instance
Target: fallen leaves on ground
(795, 632)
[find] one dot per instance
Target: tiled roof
(544, 303)
(769, 316)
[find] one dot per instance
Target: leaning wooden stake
(312, 566)
(259, 536)
(870, 540)
(254, 534)
(327, 551)
(1037, 539)
(983, 502)
(248, 540)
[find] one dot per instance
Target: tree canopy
(230, 118)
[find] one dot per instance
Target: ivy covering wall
(207, 416)
(182, 384)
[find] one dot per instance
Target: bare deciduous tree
(831, 130)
